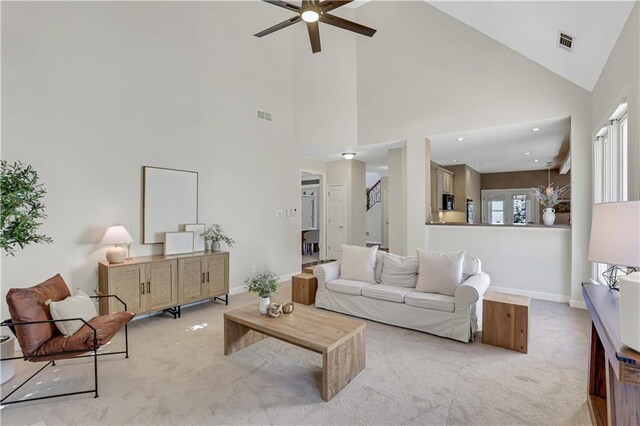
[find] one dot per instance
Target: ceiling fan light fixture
(348, 155)
(310, 16)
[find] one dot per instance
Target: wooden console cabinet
(153, 283)
(614, 369)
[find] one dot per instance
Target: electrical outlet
(253, 269)
(279, 213)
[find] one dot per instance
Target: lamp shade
(615, 234)
(116, 235)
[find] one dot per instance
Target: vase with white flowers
(214, 235)
(549, 197)
(264, 283)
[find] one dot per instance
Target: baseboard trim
(551, 297)
(578, 304)
(237, 290)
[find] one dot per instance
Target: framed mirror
(170, 199)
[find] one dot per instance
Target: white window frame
(610, 168)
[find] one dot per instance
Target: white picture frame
(170, 198)
(178, 243)
(198, 239)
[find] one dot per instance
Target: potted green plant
(21, 209)
(214, 235)
(263, 283)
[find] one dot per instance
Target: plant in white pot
(263, 283)
(548, 196)
(214, 235)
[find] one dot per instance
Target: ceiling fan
(312, 12)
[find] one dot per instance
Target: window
(509, 206)
(610, 162)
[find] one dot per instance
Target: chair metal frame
(94, 354)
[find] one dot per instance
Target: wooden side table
(303, 288)
(505, 321)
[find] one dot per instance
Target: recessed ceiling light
(537, 161)
(535, 129)
(455, 161)
(460, 139)
(527, 153)
(478, 164)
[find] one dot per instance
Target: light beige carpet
(177, 374)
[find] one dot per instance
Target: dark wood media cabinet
(614, 369)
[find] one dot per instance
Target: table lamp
(116, 235)
(615, 239)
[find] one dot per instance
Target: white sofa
(457, 317)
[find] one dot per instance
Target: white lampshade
(116, 235)
(615, 234)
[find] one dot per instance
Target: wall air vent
(565, 41)
(264, 116)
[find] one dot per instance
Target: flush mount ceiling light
(455, 161)
(348, 155)
(527, 153)
(460, 139)
(536, 161)
(535, 129)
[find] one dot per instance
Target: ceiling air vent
(565, 41)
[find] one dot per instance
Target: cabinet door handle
(202, 279)
(141, 288)
(149, 287)
(207, 277)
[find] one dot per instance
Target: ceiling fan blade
(281, 25)
(314, 36)
(284, 5)
(347, 25)
(329, 5)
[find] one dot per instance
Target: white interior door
(336, 226)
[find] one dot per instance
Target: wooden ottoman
(303, 288)
(505, 321)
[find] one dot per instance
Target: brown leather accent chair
(41, 340)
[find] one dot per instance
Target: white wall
(531, 261)
(93, 91)
(397, 159)
(371, 179)
(618, 80)
(374, 224)
(417, 79)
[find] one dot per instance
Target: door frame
(322, 211)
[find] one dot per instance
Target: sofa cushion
(28, 304)
(358, 263)
(386, 292)
(437, 302)
(399, 271)
(471, 266)
(439, 272)
(346, 286)
(380, 255)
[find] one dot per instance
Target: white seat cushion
(347, 286)
(399, 271)
(358, 263)
(437, 302)
(386, 292)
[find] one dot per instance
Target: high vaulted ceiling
(531, 28)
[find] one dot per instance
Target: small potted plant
(214, 235)
(263, 283)
(548, 196)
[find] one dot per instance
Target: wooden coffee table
(339, 339)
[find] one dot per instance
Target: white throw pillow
(439, 272)
(78, 306)
(471, 266)
(358, 263)
(379, 260)
(399, 271)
